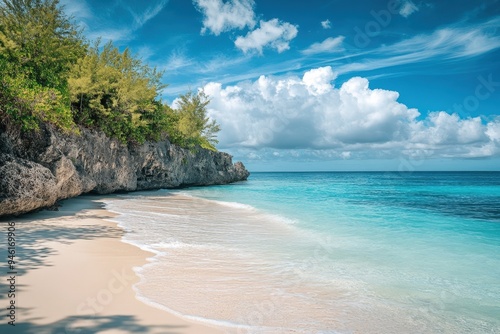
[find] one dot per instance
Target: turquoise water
(325, 252)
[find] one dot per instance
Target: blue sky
(326, 85)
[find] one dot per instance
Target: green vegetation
(115, 92)
(38, 46)
(194, 126)
(49, 73)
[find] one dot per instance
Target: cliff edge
(39, 169)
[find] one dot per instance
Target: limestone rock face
(38, 169)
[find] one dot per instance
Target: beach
(75, 275)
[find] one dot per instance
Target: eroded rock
(39, 169)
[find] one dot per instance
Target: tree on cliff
(38, 46)
(116, 92)
(193, 122)
(48, 73)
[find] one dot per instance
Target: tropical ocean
(324, 252)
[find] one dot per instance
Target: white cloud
(308, 114)
(451, 42)
(446, 44)
(407, 8)
(330, 44)
(176, 61)
(273, 33)
(111, 34)
(441, 128)
(318, 80)
(143, 17)
(76, 9)
(222, 16)
(79, 11)
(98, 25)
(493, 131)
(326, 24)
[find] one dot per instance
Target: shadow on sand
(69, 325)
(31, 231)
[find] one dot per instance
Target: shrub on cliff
(194, 126)
(48, 73)
(38, 46)
(116, 92)
(24, 103)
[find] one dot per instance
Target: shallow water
(325, 252)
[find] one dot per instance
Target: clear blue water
(326, 252)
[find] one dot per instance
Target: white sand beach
(75, 275)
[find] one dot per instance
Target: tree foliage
(115, 91)
(40, 40)
(38, 46)
(49, 73)
(194, 125)
(24, 103)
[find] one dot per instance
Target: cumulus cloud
(318, 81)
(272, 33)
(493, 130)
(441, 128)
(220, 16)
(309, 114)
(326, 24)
(330, 44)
(407, 8)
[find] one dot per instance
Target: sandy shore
(75, 275)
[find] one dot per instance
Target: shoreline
(76, 275)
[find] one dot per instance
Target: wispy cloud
(220, 62)
(110, 34)
(77, 9)
(144, 52)
(143, 17)
(330, 44)
(220, 68)
(177, 60)
(446, 44)
(98, 25)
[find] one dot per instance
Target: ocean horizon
(324, 252)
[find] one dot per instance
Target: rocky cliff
(39, 169)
